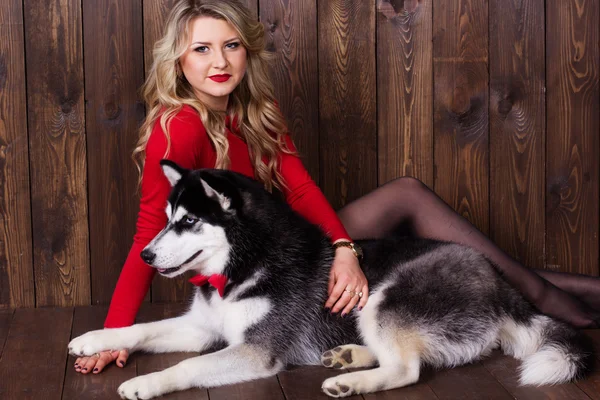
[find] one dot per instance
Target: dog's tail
(552, 351)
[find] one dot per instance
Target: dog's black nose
(148, 256)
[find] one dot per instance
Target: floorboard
(33, 361)
(470, 381)
(301, 383)
(93, 386)
(5, 318)
(504, 369)
(39, 338)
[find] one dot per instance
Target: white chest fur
(229, 317)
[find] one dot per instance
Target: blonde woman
(210, 104)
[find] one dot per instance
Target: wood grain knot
(112, 110)
(553, 198)
(504, 106)
(67, 106)
(397, 8)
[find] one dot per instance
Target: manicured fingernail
(76, 364)
(359, 308)
(85, 369)
(95, 369)
(343, 315)
(121, 363)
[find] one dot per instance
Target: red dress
(191, 148)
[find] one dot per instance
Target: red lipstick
(220, 78)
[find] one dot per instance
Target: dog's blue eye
(190, 220)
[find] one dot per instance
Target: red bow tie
(217, 281)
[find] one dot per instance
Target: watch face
(358, 250)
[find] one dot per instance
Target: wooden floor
(34, 365)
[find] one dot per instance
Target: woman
(210, 104)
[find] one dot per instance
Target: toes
(331, 392)
(346, 355)
(337, 358)
(333, 388)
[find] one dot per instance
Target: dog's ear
(222, 189)
(172, 171)
(220, 197)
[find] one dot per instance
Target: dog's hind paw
(141, 387)
(348, 356)
(331, 387)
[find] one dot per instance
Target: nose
(219, 61)
(148, 256)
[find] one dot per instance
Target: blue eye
(189, 220)
(233, 45)
(201, 49)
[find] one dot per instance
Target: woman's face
(214, 62)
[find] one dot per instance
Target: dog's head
(202, 207)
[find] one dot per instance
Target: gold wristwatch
(352, 246)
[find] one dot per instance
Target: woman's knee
(407, 185)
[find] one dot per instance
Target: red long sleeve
(188, 141)
(191, 148)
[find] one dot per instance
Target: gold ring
(360, 294)
(350, 292)
(97, 355)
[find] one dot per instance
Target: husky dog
(431, 302)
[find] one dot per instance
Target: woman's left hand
(346, 281)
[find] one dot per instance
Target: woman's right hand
(97, 362)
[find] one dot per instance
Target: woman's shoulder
(187, 115)
(185, 129)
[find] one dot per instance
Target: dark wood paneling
(572, 62)
(461, 107)
(93, 386)
(32, 364)
(16, 268)
(113, 76)
(347, 103)
(517, 125)
(155, 17)
(58, 154)
(291, 28)
(404, 90)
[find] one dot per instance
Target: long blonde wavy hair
(166, 91)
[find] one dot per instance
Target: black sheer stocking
(408, 206)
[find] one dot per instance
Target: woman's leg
(407, 204)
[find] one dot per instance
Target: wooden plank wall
(493, 104)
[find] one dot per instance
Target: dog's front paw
(334, 388)
(89, 343)
(141, 387)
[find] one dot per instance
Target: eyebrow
(227, 41)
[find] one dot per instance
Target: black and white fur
(431, 302)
